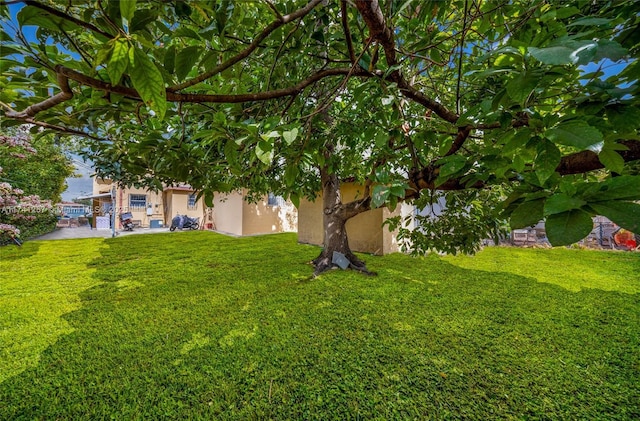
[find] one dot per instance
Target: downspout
(120, 200)
(113, 212)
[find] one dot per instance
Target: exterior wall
(227, 212)
(139, 213)
(177, 203)
(310, 229)
(262, 218)
(366, 232)
(233, 215)
(123, 204)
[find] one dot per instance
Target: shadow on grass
(221, 328)
(14, 252)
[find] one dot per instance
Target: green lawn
(196, 325)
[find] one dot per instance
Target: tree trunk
(334, 222)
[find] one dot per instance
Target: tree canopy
(534, 102)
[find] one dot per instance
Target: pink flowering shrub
(22, 215)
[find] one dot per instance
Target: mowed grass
(196, 325)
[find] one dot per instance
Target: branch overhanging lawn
(419, 179)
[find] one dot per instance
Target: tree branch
(65, 94)
(461, 137)
(464, 33)
(373, 17)
(576, 163)
(247, 51)
(347, 31)
(201, 98)
(585, 161)
(64, 16)
(64, 74)
(60, 129)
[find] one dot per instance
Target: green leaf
(103, 55)
(264, 152)
(365, 61)
(295, 199)
(568, 227)
(561, 202)
(381, 139)
(127, 9)
(208, 198)
(571, 53)
(270, 135)
(452, 164)
(379, 195)
(527, 214)
(519, 88)
(625, 214)
(170, 59)
(576, 133)
(517, 141)
(393, 203)
(552, 55)
(141, 18)
(609, 49)
(546, 161)
(626, 187)
(388, 100)
(185, 32)
(612, 160)
(182, 9)
(30, 15)
(623, 117)
(119, 60)
(148, 81)
(290, 136)
(291, 175)
(589, 21)
(398, 191)
(186, 60)
(8, 51)
(231, 152)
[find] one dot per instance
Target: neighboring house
(231, 213)
(145, 206)
(365, 231)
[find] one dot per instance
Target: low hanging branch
(64, 74)
(65, 94)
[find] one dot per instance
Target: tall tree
(520, 98)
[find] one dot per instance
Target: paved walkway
(86, 232)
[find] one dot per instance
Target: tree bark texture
(335, 217)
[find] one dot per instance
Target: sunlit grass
(572, 269)
(201, 326)
(35, 292)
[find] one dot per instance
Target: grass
(201, 326)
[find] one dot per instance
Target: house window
(137, 202)
(273, 200)
(191, 201)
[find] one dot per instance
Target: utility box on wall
(155, 223)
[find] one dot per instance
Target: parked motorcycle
(184, 222)
(126, 219)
